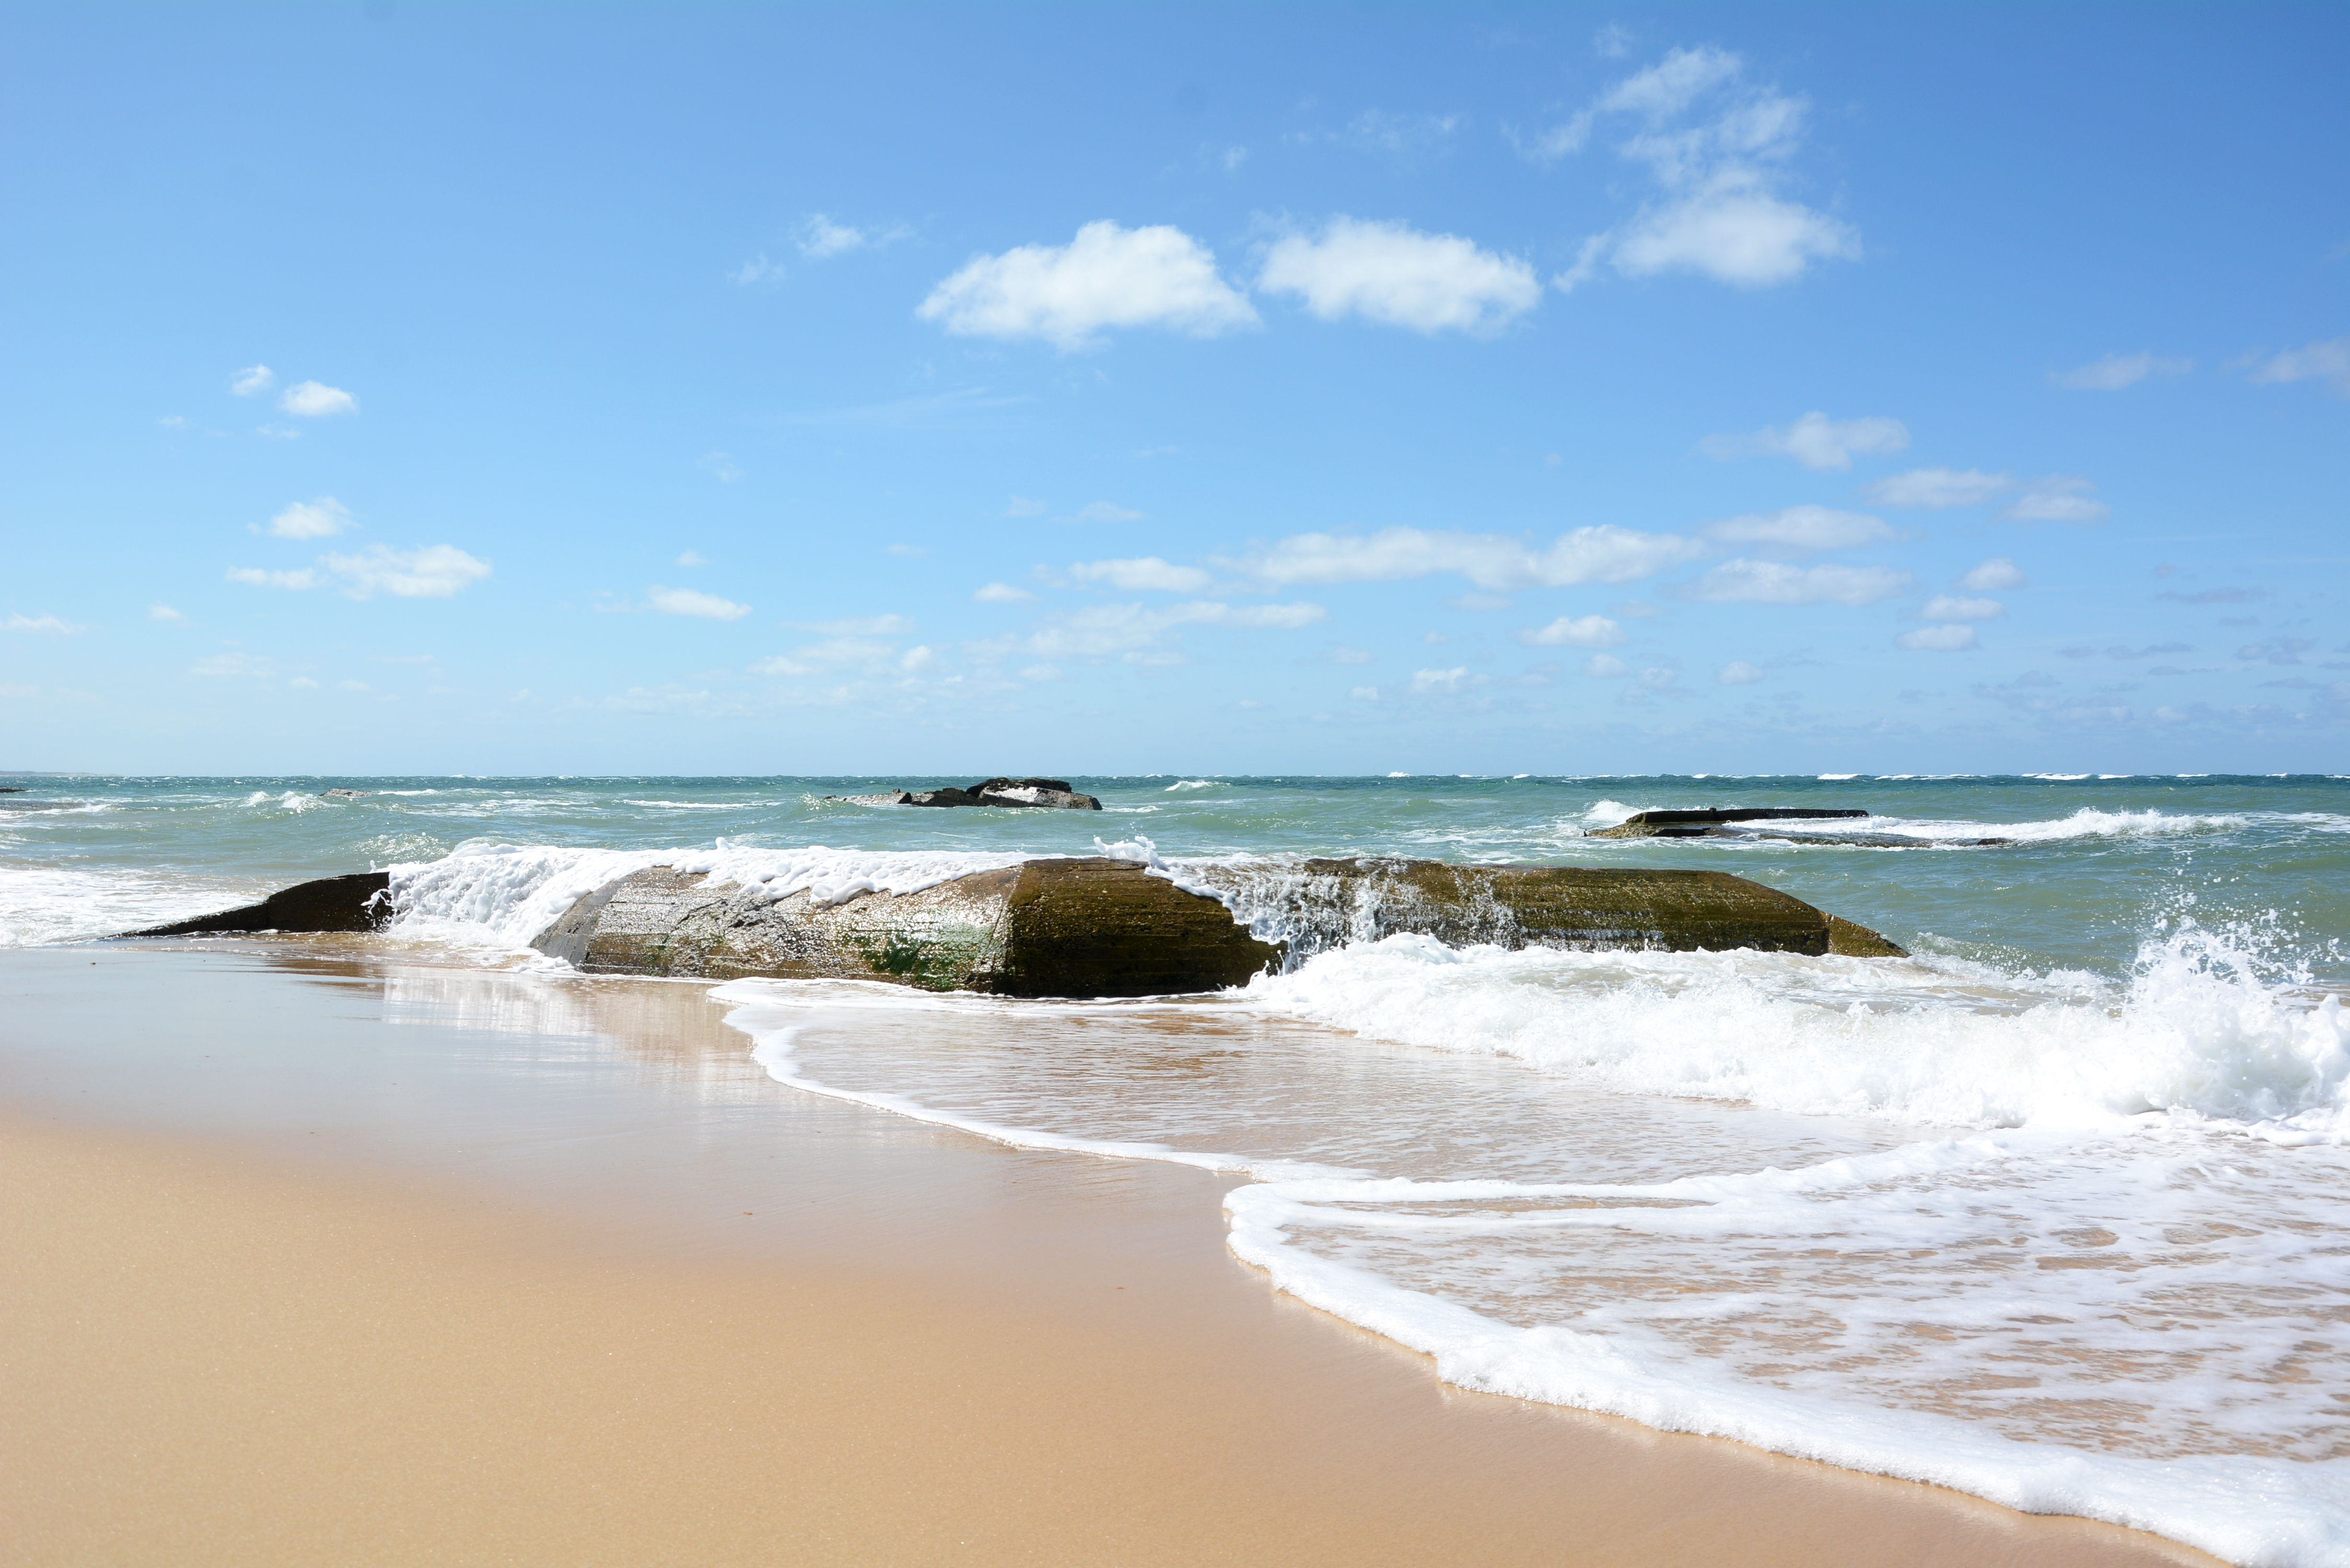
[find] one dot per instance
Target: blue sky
(412, 387)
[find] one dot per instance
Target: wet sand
(315, 1257)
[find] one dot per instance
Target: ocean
(2055, 1211)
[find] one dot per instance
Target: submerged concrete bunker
(1095, 927)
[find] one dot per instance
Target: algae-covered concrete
(1085, 927)
(1322, 903)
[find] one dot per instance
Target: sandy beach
(318, 1257)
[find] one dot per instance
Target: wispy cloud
(1575, 631)
(1107, 277)
(1393, 274)
(688, 602)
(757, 270)
(2057, 499)
(1994, 574)
(2327, 361)
(1718, 150)
(859, 626)
(1774, 583)
(167, 615)
(315, 399)
(819, 237)
(1737, 673)
(1003, 594)
(1938, 638)
(2117, 371)
(434, 572)
(317, 519)
(253, 380)
(1937, 488)
(1144, 575)
(1604, 554)
(1815, 441)
(1951, 606)
(1106, 512)
(297, 581)
(40, 625)
(1801, 529)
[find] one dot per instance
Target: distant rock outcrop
(1050, 794)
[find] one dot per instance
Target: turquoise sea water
(2056, 1212)
(2098, 863)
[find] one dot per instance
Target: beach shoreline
(242, 1339)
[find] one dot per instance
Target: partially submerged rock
(360, 901)
(1328, 902)
(1087, 927)
(1052, 794)
(1099, 927)
(1700, 823)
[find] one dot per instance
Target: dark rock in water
(1692, 824)
(360, 901)
(1048, 928)
(14, 789)
(1031, 793)
(344, 793)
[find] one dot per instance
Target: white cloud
(1734, 231)
(1443, 681)
(1107, 277)
(297, 580)
(317, 519)
(1393, 274)
(1040, 672)
(1938, 638)
(1106, 512)
(302, 683)
(1606, 665)
(253, 380)
(1144, 575)
(1350, 656)
(1995, 574)
(1588, 631)
(860, 626)
(1003, 594)
(918, 657)
(2057, 499)
(915, 552)
(1718, 211)
(277, 432)
(1770, 583)
(167, 615)
(1606, 553)
(2327, 361)
(1021, 506)
(722, 466)
(686, 601)
(1102, 631)
(1815, 441)
(312, 400)
(1737, 673)
(1947, 606)
(2116, 371)
(42, 624)
(1936, 488)
(693, 558)
(759, 271)
(434, 572)
(1801, 528)
(1363, 694)
(819, 237)
(1375, 131)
